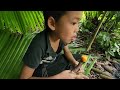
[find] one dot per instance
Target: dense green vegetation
(108, 37)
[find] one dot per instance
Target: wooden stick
(98, 71)
(115, 62)
(108, 69)
(102, 74)
(105, 76)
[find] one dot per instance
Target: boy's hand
(81, 76)
(81, 70)
(68, 74)
(76, 63)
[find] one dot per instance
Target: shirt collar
(49, 48)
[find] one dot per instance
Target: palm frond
(17, 29)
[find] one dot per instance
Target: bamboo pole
(98, 28)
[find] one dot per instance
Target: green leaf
(17, 58)
(87, 72)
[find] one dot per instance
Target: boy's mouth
(74, 38)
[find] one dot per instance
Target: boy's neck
(54, 41)
(53, 37)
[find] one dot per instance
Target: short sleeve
(32, 57)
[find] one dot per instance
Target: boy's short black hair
(55, 14)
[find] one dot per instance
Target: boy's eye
(74, 23)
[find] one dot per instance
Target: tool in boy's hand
(83, 60)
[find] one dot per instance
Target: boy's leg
(52, 68)
(60, 64)
(57, 66)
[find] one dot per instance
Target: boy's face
(67, 27)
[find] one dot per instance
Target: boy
(43, 59)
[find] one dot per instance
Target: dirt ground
(104, 68)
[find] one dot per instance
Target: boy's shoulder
(40, 40)
(41, 35)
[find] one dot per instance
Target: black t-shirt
(40, 51)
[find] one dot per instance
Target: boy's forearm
(70, 57)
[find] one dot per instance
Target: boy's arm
(27, 73)
(69, 56)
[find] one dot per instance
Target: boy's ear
(51, 23)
